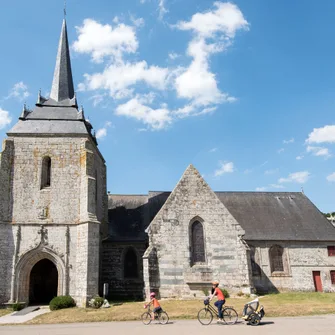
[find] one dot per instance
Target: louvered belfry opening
(46, 172)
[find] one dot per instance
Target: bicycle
(205, 315)
(161, 316)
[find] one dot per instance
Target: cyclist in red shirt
(156, 305)
(221, 299)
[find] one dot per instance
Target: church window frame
(332, 277)
(278, 260)
(331, 250)
(197, 242)
(46, 172)
(130, 272)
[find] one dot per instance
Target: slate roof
(277, 216)
(127, 217)
(269, 216)
(58, 115)
(62, 84)
(48, 127)
(54, 113)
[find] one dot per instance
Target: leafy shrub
(96, 302)
(62, 301)
(17, 307)
(225, 292)
(205, 291)
(240, 294)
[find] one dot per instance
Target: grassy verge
(5, 312)
(284, 304)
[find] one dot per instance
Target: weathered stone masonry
(169, 238)
(54, 210)
(54, 203)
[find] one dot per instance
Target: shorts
(157, 309)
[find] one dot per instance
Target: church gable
(196, 240)
(192, 197)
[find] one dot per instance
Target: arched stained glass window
(198, 243)
(276, 258)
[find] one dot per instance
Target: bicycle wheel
(229, 316)
(146, 318)
(163, 318)
(254, 319)
(205, 316)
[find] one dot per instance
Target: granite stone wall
(169, 238)
(113, 264)
(63, 222)
(300, 260)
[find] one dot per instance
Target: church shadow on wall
(261, 282)
(123, 249)
(10, 234)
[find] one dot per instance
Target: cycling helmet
(152, 294)
(215, 282)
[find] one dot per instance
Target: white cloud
(322, 135)
(281, 150)
(197, 83)
(97, 99)
(5, 118)
(103, 40)
(297, 177)
(102, 132)
(19, 91)
(226, 18)
(273, 171)
(288, 141)
(162, 9)
(173, 55)
(247, 171)
(260, 189)
(276, 186)
(117, 78)
(213, 150)
(213, 31)
(331, 177)
(138, 109)
(224, 168)
(138, 22)
(319, 151)
(192, 110)
(299, 157)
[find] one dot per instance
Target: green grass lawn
(283, 304)
(5, 311)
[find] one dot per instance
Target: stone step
(26, 310)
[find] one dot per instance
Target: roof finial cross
(64, 9)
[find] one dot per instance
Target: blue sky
(244, 90)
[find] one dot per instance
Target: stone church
(61, 233)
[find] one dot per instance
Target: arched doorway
(43, 284)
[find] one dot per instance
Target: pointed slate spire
(62, 84)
